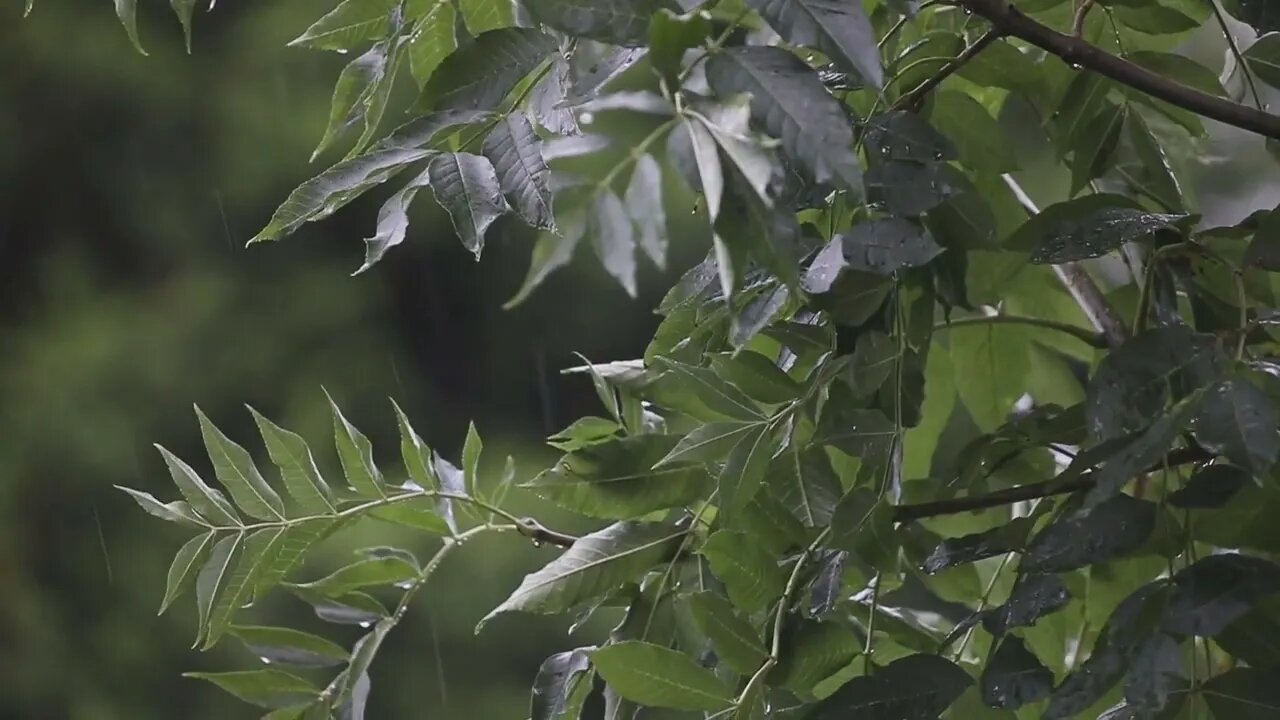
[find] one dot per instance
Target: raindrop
(587, 118)
(937, 155)
(404, 585)
(341, 51)
(537, 543)
(1075, 66)
(364, 623)
(885, 151)
(265, 660)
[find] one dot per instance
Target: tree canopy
(917, 439)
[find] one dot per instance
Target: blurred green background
(130, 184)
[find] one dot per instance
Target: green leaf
(749, 572)
(1238, 421)
(481, 73)
(298, 468)
(1210, 487)
(670, 35)
(288, 552)
(127, 11)
(712, 393)
(179, 512)
(840, 30)
(324, 194)
(745, 469)
(1258, 14)
(656, 676)
(362, 655)
(812, 652)
(757, 376)
(356, 455)
(182, 572)
(804, 483)
(350, 609)
(550, 253)
(613, 238)
(979, 141)
(1080, 229)
(863, 434)
(707, 162)
(349, 25)
(619, 22)
(235, 470)
(264, 688)
(1014, 676)
(862, 524)
(236, 589)
(1094, 151)
(592, 567)
(884, 247)
(204, 500)
(736, 643)
(874, 358)
(561, 686)
(471, 449)
(516, 153)
(432, 38)
(710, 443)
(916, 686)
(790, 102)
(1254, 637)
(1210, 594)
(1110, 530)
(182, 8)
(1154, 173)
(393, 222)
(1010, 537)
(850, 296)
(1243, 693)
(617, 478)
(1132, 384)
(289, 647)
(213, 574)
(356, 95)
(364, 573)
(643, 200)
(1033, 597)
(467, 186)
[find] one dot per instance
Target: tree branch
(1082, 12)
(1075, 51)
(1032, 491)
(1086, 292)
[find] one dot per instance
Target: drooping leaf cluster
(905, 444)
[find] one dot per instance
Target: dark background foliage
(130, 186)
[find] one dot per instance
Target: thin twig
(1031, 491)
(1235, 52)
(1092, 338)
(1075, 51)
(913, 98)
(1082, 12)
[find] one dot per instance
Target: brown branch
(1083, 289)
(1032, 491)
(1076, 52)
(916, 96)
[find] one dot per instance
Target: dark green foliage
(834, 476)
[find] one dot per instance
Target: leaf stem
(1094, 339)
(528, 527)
(775, 646)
